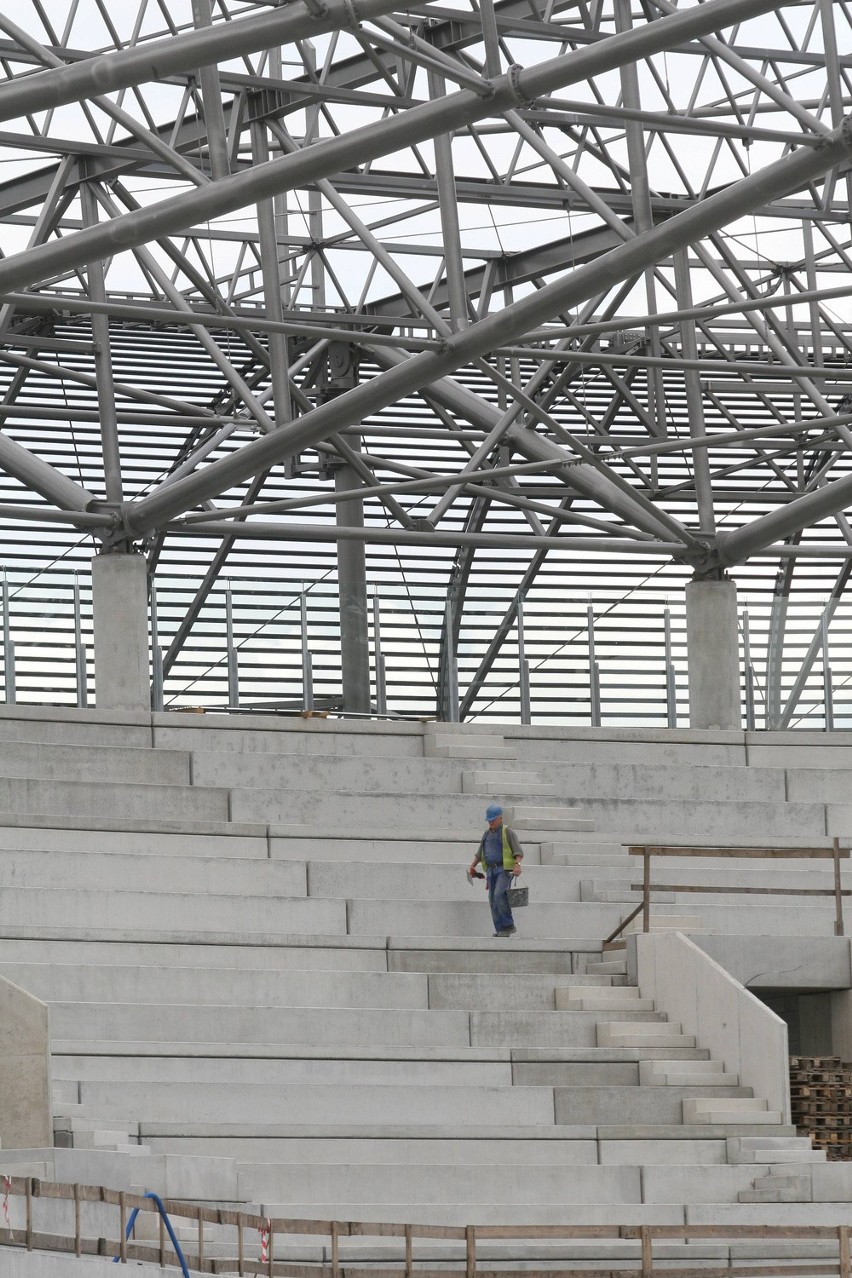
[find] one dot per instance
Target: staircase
(270, 983)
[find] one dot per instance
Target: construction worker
(500, 855)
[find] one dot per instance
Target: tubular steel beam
(157, 59)
(405, 129)
(629, 259)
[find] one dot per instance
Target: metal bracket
(317, 8)
(352, 14)
(513, 75)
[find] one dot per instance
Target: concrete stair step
(621, 891)
(506, 784)
(668, 923)
(608, 967)
(563, 852)
(772, 1149)
(663, 1034)
(778, 1189)
(752, 1109)
(596, 1002)
(661, 1073)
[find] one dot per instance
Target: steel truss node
(493, 310)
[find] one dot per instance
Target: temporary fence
(234, 1242)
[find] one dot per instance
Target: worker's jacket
(511, 848)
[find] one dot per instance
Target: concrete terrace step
(630, 1034)
(666, 1073)
(153, 911)
(41, 761)
(385, 809)
(321, 1105)
(712, 1109)
(112, 800)
(506, 783)
(368, 879)
(69, 983)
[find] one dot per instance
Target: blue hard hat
(494, 810)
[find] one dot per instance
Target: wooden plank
(738, 891)
(744, 854)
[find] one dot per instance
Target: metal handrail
(164, 1217)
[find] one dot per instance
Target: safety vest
(508, 854)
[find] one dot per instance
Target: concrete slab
(125, 800)
(163, 910)
(70, 983)
(322, 1106)
(367, 879)
(125, 1022)
(284, 955)
(123, 872)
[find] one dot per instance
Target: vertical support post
(647, 1251)
(103, 364)
(156, 656)
(450, 227)
(594, 671)
(470, 1251)
(352, 584)
(79, 649)
(200, 1241)
(8, 649)
(233, 656)
(29, 1216)
(749, 673)
(671, 682)
(162, 1239)
(843, 1250)
(838, 890)
(409, 1253)
(241, 1259)
(78, 1233)
(122, 1228)
(827, 684)
(712, 646)
(270, 1256)
(120, 608)
(381, 688)
(523, 666)
(452, 682)
(335, 1249)
(646, 889)
(307, 660)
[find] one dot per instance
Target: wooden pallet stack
(821, 1097)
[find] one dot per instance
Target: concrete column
(120, 605)
(712, 647)
(352, 582)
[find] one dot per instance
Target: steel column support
(375, 139)
(713, 655)
(211, 93)
(450, 228)
(694, 399)
(352, 585)
(623, 262)
(120, 606)
(103, 365)
(279, 360)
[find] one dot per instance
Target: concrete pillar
(352, 582)
(120, 605)
(712, 646)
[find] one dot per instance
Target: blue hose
(165, 1215)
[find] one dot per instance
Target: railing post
(828, 690)
(671, 683)
(233, 659)
(749, 673)
(156, 656)
(452, 666)
(8, 649)
(381, 692)
(647, 1251)
(646, 890)
(594, 671)
(843, 1250)
(470, 1251)
(122, 1226)
(523, 667)
(80, 649)
(307, 660)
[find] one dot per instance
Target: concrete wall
(738, 1029)
(25, 1110)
